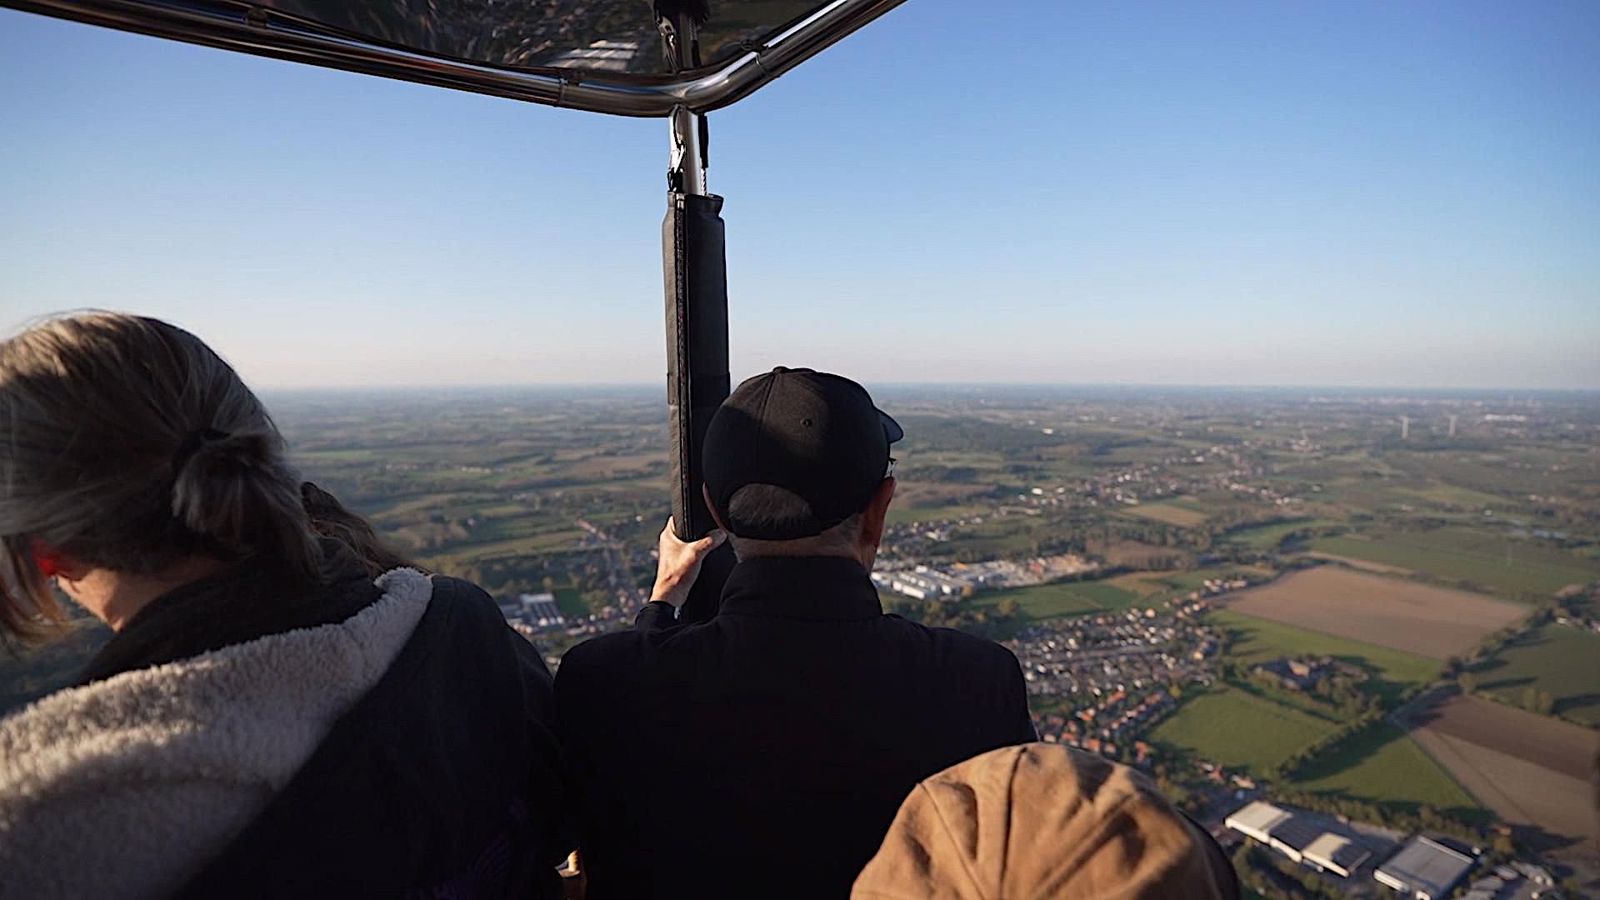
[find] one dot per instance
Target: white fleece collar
(125, 787)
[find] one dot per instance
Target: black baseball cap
(813, 435)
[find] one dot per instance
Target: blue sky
(1355, 193)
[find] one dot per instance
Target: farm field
(1236, 729)
(1264, 537)
(1062, 598)
(1402, 615)
(903, 514)
(1510, 566)
(1181, 516)
(1563, 661)
(1532, 770)
(1384, 765)
(1257, 640)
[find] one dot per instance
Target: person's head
(1043, 820)
(129, 447)
(797, 463)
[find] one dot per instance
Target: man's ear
(52, 562)
(716, 517)
(873, 517)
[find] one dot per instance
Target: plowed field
(1533, 770)
(1403, 615)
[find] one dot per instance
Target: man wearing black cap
(765, 752)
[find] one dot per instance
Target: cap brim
(891, 428)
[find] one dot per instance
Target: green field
(1063, 598)
(1236, 729)
(1563, 661)
(1384, 765)
(1266, 537)
(570, 602)
(1257, 640)
(1503, 565)
(1168, 513)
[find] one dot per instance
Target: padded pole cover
(695, 271)
(696, 278)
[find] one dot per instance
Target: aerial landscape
(1247, 354)
(1375, 612)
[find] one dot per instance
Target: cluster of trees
(1538, 701)
(1270, 875)
(1466, 674)
(1343, 692)
(1466, 825)
(1291, 766)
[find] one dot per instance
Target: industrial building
(537, 610)
(1337, 854)
(1306, 839)
(924, 583)
(1425, 869)
(1257, 820)
(1292, 836)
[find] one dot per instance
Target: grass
(1382, 764)
(1452, 495)
(1063, 598)
(1237, 729)
(569, 600)
(1503, 565)
(1256, 640)
(1142, 584)
(1266, 537)
(898, 516)
(1168, 514)
(1563, 661)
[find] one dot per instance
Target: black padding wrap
(697, 345)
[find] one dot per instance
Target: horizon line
(650, 385)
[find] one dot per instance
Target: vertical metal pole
(688, 155)
(694, 270)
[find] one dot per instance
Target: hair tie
(192, 444)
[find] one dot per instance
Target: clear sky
(1357, 193)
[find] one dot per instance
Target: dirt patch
(1403, 615)
(1534, 771)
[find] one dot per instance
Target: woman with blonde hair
(268, 718)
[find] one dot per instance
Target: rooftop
(1427, 866)
(1258, 816)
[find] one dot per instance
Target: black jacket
(444, 780)
(764, 753)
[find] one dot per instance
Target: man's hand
(680, 563)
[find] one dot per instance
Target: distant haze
(1364, 193)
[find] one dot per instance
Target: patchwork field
(1384, 765)
(1167, 513)
(1063, 598)
(1257, 640)
(1402, 615)
(1505, 565)
(1565, 662)
(1534, 771)
(1265, 537)
(1237, 729)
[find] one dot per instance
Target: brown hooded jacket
(1038, 821)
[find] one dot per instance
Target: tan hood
(1041, 820)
